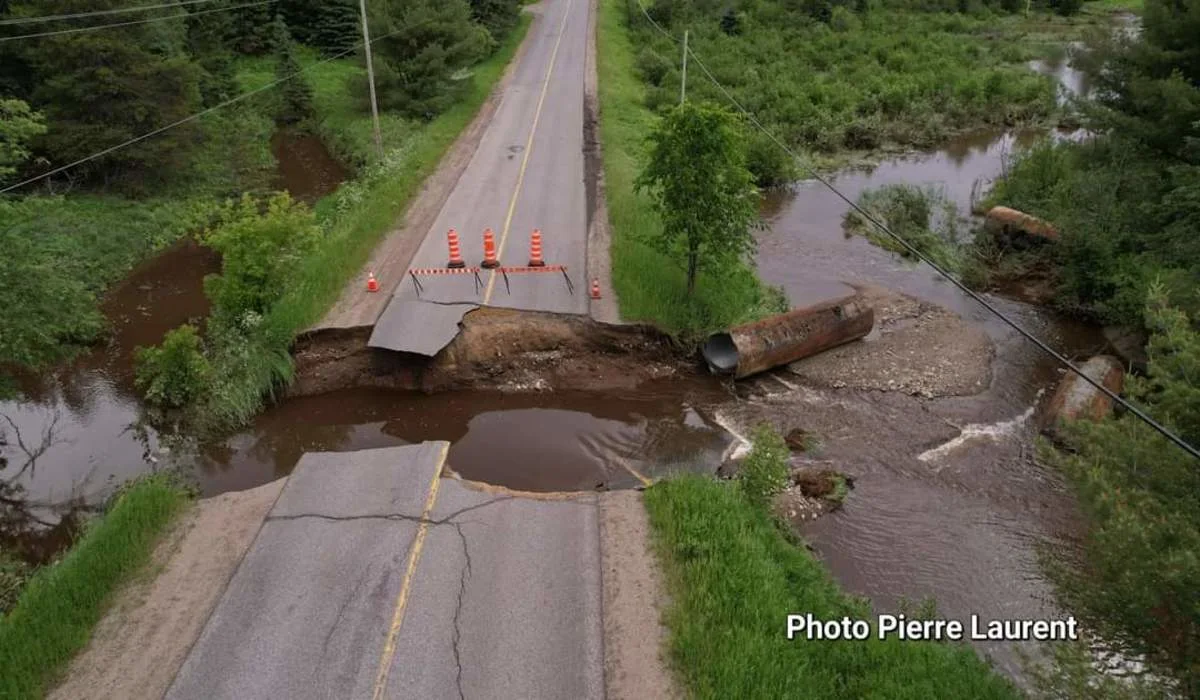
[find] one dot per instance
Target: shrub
(175, 373)
(765, 471)
(259, 254)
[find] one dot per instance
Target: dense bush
(1139, 491)
(835, 76)
(260, 251)
(19, 125)
(175, 373)
(764, 472)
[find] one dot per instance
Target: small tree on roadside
(698, 179)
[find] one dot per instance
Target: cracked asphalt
(375, 577)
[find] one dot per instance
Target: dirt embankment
(497, 349)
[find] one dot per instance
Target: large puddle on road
(562, 441)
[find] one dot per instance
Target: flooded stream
(960, 523)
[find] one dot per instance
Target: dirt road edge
(599, 241)
(634, 598)
(143, 639)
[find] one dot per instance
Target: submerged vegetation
(922, 216)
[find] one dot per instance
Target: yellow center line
(537, 115)
(636, 473)
(414, 554)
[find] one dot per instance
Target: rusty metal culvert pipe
(778, 340)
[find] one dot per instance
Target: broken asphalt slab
(501, 598)
(420, 327)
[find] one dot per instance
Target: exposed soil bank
(497, 349)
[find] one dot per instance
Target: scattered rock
(799, 439)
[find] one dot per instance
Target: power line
(98, 13)
(1161, 429)
(205, 112)
(182, 15)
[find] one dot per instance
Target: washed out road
(526, 173)
(374, 576)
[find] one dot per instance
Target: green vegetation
(175, 373)
(829, 77)
(733, 576)
(19, 125)
(60, 253)
(649, 286)
(923, 216)
(697, 179)
(423, 46)
(295, 98)
(1126, 204)
(1139, 585)
(764, 473)
(55, 613)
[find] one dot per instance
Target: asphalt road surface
(374, 577)
(527, 173)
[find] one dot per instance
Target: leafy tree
(174, 374)
(259, 250)
(427, 44)
(698, 179)
(18, 126)
(295, 94)
(497, 16)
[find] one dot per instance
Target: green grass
(55, 614)
(61, 253)
(357, 217)
(733, 578)
(651, 287)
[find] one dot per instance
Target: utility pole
(362, 5)
(683, 83)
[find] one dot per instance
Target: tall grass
(650, 286)
(357, 217)
(733, 578)
(55, 614)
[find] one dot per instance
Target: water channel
(962, 528)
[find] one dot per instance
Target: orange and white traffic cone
(535, 249)
(489, 249)
(456, 260)
(372, 283)
(595, 287)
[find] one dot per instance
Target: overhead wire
(92, 28)
(193, 117)
(98, 13)
(812, 172)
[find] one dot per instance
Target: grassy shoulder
(650, 286)
(251, 362)
(55, 613)
(733, 576)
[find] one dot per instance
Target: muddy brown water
(959, 521)
(561, 441)
(305, 167)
